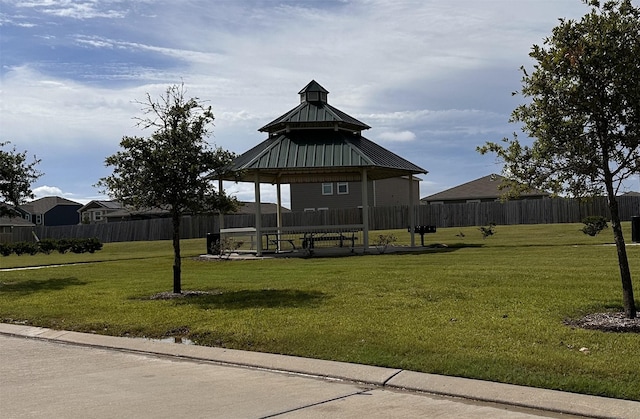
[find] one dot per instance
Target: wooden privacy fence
(541, 211)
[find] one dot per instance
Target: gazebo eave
(316, 174)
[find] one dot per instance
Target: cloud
(432, 78)
(245, 192)
(46, 190)
(398, 136)
(75, 9)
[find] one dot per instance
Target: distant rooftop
(486, 187)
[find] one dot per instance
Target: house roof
(110, 205)
(265, 208)
(15, 222)
(318, 143)
(486, 187)
(244, 208)
(42, 205)
(631, 193)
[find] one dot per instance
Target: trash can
(213, 239)
(635, 229)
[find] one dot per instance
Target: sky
(433, 78)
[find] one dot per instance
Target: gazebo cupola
(314, 112)
(313, 92)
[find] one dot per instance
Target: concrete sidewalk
(351, 379)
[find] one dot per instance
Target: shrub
(64, 245)
(6, 249)
(383, 240)
(47, 246)
(594, 224)
(92, 245)
(78, 246)
(487, 231)
(228, 245)
(21, 248)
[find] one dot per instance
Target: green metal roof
(314, 111)
(321, 156)
(316, 142)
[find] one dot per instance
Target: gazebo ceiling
(316, 142)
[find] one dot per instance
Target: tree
(16, 177)
(583, 115)
(171, 168)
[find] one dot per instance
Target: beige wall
(386, 192)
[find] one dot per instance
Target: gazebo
(316, 142)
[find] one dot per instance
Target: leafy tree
(583, 114)
(16, 177)
(170, 169)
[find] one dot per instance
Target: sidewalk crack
(346, 396)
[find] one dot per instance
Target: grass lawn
(490, 309)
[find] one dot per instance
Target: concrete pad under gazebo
(313, 143)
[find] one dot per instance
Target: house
(9, 225)
(484, 189)
(96, 212)
(51, 211)
(265, 208)
(336, 195)
(116, 212)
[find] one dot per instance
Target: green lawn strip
(110, 252)
(493, 312)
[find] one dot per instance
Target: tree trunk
(623, 261)
(177, 262)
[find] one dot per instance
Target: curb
(477, 390)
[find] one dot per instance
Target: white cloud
(46, 190)
(245, 191)
(427, 75)
(398, 136)
(75, 9)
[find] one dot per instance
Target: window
(323, 209)
(27, 217)
(309, 209)
(473, 201)
(38, 219)
(343, 188)
(327, 189)
(97, 215)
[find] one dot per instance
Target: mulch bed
(607, 322)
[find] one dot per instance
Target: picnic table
(276, 239)
(311, 237)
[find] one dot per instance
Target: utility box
(635, 229)
(212, 240)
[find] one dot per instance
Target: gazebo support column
(258, 216)
(220, 189)
(412, 213)
(279, 213)
(365, 211)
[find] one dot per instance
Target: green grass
(490, 309)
